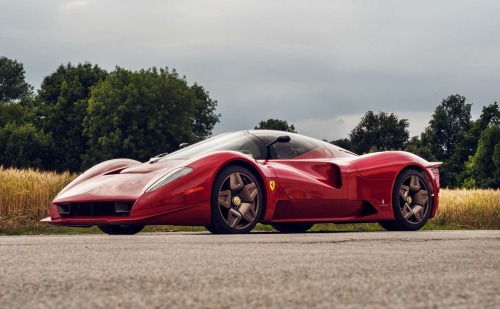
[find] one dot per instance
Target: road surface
(443, 269)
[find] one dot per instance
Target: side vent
(367, 209)
(336, 177)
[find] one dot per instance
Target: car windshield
(238, 141)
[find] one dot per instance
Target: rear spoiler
(434, 164)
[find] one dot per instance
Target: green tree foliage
(63, 101)
(23, 146)
(379, 132)
(489, 116)
(205, 117)
(275, 124)
(448, 125)
(13, 113)
(140, 114)
(13, 86)
(21, 143)
(447, 128)
(416, 146)
(469, 143)
(484, 166)
(342, 142)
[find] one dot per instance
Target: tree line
(83, 114)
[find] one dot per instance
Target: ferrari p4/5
(231, 182)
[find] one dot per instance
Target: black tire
(292, 227)
(411, 202)
(121, 229)
(236, 201)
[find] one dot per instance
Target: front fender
(101, 168)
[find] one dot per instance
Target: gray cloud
(317, 64)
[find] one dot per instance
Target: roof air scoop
(157, 158)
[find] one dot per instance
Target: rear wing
(434, 164)
(433, 168)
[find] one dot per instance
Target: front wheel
(121, 229)
(292, 227)
(236, 203)
(411, 202)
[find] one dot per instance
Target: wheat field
(460, 208)
(25, 197)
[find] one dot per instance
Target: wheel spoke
(247, 210)
(248, 193)
(407, 211)
(417, 212)
(404, 191)
(233, 218)
(414, 184)
(225, 198)
(421, 197)
(235, 182)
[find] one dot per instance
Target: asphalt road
(442, 269)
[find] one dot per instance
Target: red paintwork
(322, 185)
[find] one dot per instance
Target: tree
(205, 117)
(13, 86)
(468, 145)
(342, 142)
(140, 114)
(484, 166)
(447, 127)
(275, 124)
(13, 113)
(416, 146)
(63, 101)
(379, 132)
(444, 136)
(23, 146)
(490, 115)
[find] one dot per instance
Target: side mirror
(183, 145)
(279, 139)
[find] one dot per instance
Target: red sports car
(230, 182)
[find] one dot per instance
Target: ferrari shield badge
(272, 185)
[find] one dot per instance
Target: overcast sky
(320, 65)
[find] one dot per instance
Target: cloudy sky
(320, 65)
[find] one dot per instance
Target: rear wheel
(121, 229)
(236, 202)
(292, 227)
(411, 202)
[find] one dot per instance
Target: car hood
(125, 185)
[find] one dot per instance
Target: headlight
(169, 177)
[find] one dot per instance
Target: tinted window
(239, 141)
(297, 146)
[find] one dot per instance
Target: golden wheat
(462, 208)
(25, 197)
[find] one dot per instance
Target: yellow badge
(272, 185)
(237, 201)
